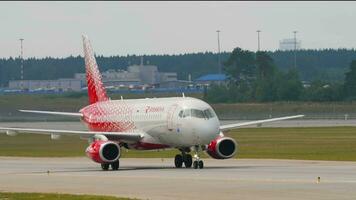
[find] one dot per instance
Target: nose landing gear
(197, 162)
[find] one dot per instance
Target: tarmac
(158, 179)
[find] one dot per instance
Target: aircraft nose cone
(208, 130)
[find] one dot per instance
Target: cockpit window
(180, 113)
(198, 113)
(207, 114)
(186, 113)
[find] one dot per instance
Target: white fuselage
(175, 121)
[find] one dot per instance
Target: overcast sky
(121, 28)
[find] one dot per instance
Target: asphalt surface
(157, 179)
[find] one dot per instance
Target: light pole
(219, 63)
(295, 49)
(258, 40)
(21, 83)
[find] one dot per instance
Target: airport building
(289, 44)
(57, 85)
(209, 79)
(136, 75)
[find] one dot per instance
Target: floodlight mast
(295, 49)
(258, 40)
(21, 73)
(219, 62)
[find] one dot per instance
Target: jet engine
(103, 151)
(222, 148)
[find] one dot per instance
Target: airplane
(185, 123)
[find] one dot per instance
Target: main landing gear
(187, 159)
(114, 166)
(179, 159)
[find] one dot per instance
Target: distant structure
(289, 44)
(65, 85)
(136, 76)
(218, 79)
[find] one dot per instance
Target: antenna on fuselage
(183, 94)
(122, 98)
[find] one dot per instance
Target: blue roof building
(212, 79)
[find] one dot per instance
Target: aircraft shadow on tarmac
(129, 168)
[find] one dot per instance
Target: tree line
(255, 77)
(326, 64)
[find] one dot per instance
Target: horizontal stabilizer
(53, 113)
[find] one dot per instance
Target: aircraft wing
(237, 125)
(129, 136)
(53, 113)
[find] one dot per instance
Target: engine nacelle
(222, 148)
(103, 151)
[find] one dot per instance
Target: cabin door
(172, 118)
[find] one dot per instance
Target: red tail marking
(96, 90)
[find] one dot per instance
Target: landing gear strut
(183, 158)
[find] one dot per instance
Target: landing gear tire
(201, 164)
(115, 165)
(195, 164)
(188, 161)
(178, 161)
(105, 166)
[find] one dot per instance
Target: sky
(119, 28)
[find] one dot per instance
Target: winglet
(96, 90)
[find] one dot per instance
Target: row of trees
(255, 77)
(326, 64)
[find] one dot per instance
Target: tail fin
(96, 90)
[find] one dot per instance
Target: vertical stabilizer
(96, 90)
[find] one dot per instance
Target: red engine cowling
(103, 151)
(222, 148)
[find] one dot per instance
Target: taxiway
(157, 179)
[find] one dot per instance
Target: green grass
(334, 143)
(331, 143)
(53, 196)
